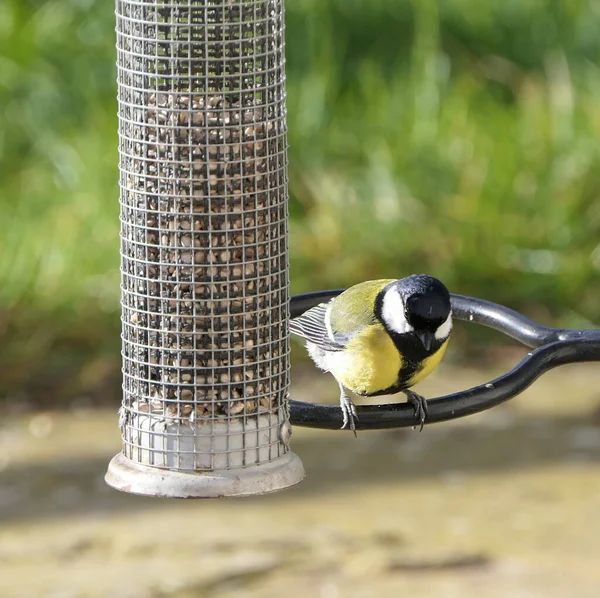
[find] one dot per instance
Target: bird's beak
(426, 337)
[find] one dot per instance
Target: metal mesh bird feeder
(204, 254)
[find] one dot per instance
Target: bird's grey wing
(312, 326)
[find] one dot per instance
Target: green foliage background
(457, 137)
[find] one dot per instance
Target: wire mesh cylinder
(204, 258)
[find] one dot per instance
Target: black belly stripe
(413, 355)
(405, 374)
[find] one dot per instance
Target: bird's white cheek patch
(444, 329)
(392, 313)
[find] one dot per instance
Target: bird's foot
(349, 412)
(420, 405)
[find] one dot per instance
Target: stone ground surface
(502, 504)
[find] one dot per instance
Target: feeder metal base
(128, 476)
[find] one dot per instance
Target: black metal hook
(552, 347)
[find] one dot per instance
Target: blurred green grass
(458, 138)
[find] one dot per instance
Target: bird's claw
(349, 413)
(420, 405)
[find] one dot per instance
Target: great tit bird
(379, 337)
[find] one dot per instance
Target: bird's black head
(427, 310)
(426, 301)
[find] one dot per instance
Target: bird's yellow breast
(369, 363)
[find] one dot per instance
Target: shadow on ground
(333, 460)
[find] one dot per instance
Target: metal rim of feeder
(204, 249)
(553, 347)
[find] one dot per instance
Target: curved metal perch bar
(552, 347)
